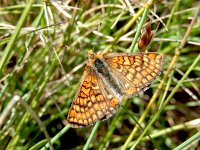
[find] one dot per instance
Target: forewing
(134, 71)
(92, 101)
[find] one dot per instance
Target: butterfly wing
(134, 71)
(92, 101)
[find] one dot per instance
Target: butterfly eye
(94, 84)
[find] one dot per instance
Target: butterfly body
(101, 68)
(109, 78)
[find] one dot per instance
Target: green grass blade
(11, 43)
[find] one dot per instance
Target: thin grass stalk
(94, 130)
(56, 137)
(193, 124)
(188, 141)
(133, 47)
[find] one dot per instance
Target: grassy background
(43, 49)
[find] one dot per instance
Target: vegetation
(43, 50)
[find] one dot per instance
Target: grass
(43, 49)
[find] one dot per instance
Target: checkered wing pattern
(92, 102)
(134, 71)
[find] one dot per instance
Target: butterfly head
(91, 54)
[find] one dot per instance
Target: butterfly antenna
(98, 35)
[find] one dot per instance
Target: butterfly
(108, 78)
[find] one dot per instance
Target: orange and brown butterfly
(108, 78)
(145, 38)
